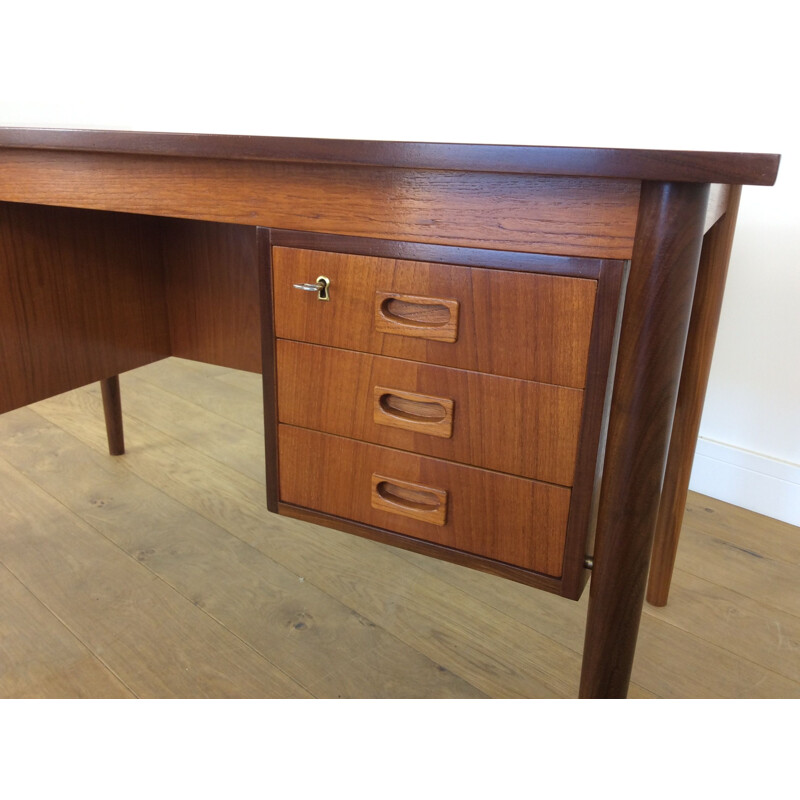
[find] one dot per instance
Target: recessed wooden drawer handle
(420, 413)
(409, 500)
(423, 317)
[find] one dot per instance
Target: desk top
(657, 165)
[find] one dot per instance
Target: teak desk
(509, 369)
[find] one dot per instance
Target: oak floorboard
(751, 569)
(245, 381)
(233, 443)
(730, 629)
(177, 367)
(325, 646)
(40, 657)
(489, 651)
(734, 622)
(690, 646)
(212, 392)
(713, 620)
(158, 644)
(740, 528)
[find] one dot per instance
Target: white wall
(691, 75)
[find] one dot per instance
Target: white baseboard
(749, 480)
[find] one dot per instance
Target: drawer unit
(520, 427)
(517, 324)
(456, 409)
(449, 504)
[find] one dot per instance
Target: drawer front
(512, 520)
(515, 324)
(504, 424)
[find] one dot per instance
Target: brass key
(321, 287)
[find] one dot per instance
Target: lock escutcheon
(321, 287)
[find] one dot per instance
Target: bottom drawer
(513, 520)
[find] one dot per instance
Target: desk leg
(655, 323)
(112, 408)
(706, 309)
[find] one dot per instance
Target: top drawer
(518, 324)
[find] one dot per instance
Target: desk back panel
(213, 292)
(81, 299)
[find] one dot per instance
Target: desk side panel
(81, 299)
(593, 217)
(213, 292)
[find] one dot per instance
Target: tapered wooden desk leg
(655, 323)
(706, 309)
(112, 408)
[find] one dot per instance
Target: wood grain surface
(112, 411)
(516, 324)
(419, 413)
(509, 519)
(706, 309)
(588, 480)
(655, 323)
(366, 620)
(81, 299)
(212, 292)
(431, 318)
(413, 500)
(367, 196)
(608, 277)
(531, 213)
(117, 601)
(41, 656)
(519, 427)
(665, 165)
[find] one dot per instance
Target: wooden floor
(160, 574)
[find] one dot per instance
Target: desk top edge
(758, 169)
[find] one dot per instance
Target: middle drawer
(503, 424)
